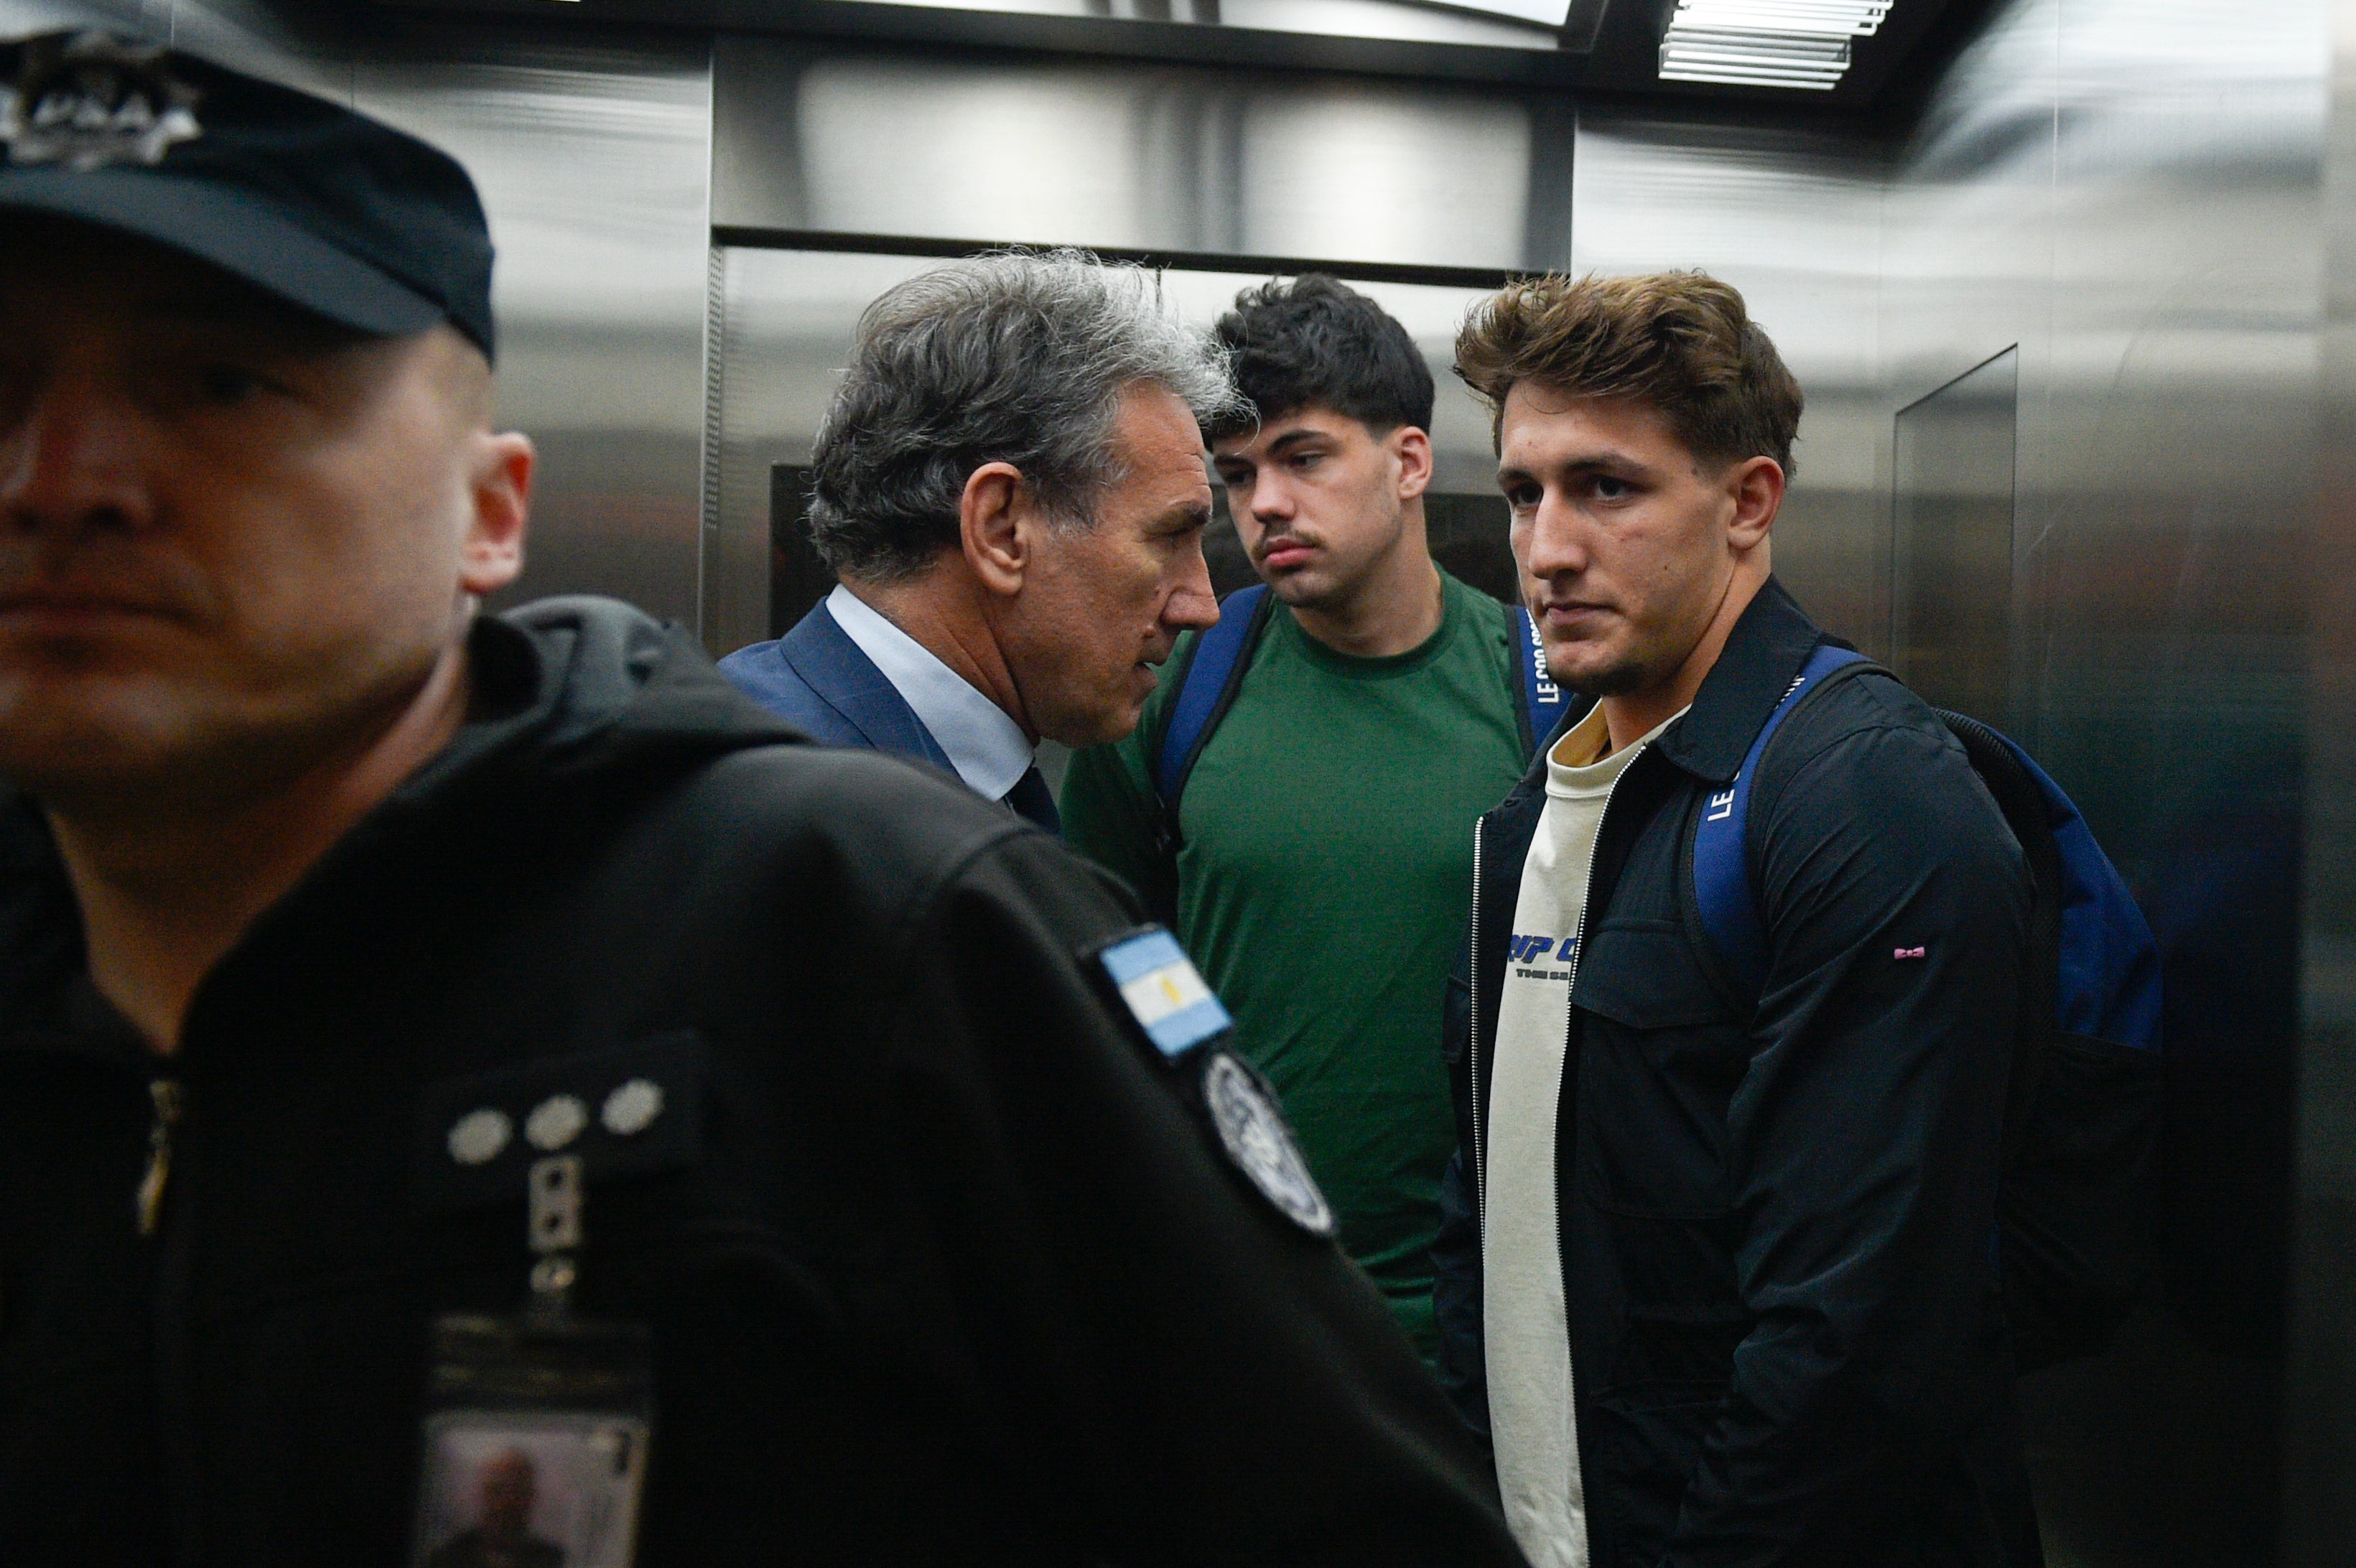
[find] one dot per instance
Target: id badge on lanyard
(537, 1426)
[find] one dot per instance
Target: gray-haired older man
(1009, 486)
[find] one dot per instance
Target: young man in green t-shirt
(1325, 834)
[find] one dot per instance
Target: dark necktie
(1034, 802)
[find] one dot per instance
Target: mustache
(106, 574)
(1271, 543)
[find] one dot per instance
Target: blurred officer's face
(1627, 542)
(1320, 501)
(510, 1488)
(234, 539)
(1100, 606)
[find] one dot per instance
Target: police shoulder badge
(1260, 1144)
(90, 100)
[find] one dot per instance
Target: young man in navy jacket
(1727, 1278)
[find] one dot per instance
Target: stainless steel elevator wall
(2128, 191)
(593, 162)
(830, 138)
(2319, 1411)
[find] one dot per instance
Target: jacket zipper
(1473, 1046)
(166, 1093)
(174, 1422)
(1578, 950)
(1571, 1004)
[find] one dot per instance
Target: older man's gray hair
(1010, 357)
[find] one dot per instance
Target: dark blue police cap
(329, 210)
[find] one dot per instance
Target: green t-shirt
(1323, 877)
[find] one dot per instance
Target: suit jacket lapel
(847, 680)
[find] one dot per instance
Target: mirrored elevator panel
(784, 328)
(1214, 164)
(1951, 541)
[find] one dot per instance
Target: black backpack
(2077, 1209)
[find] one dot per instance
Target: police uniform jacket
(1777, 1213)
(938, 1266)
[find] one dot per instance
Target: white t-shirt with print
(1522, 1316)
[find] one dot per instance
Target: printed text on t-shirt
(1527, 952)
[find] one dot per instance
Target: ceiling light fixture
(1767, 43)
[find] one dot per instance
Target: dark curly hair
(1315, 342)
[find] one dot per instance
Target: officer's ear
(500, 486)
(497, 465)
(997, 525)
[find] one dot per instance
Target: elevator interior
(2066, 301)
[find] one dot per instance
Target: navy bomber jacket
(1776, 1213)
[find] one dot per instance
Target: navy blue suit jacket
(816, 679)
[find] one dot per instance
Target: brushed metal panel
(1169, 159)
(787, 321)
(302, 46)
(2321, 1429)
(593, 159)
(1410, 22)
(1376, 19)
(2128, 192)
(1382, 171)
(1952, 541)
(150, 19)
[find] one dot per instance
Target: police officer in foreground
(438, 1050)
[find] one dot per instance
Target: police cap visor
(322, 207)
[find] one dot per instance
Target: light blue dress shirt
(988, 749)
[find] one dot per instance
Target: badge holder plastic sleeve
(537, 1426)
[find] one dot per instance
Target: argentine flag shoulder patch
(1155, 981)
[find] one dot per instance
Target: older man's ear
(994, 517)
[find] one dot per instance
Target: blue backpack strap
(1544, 698)
(1721, 862)
(1202, 688)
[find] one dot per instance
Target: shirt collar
(988, 749)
